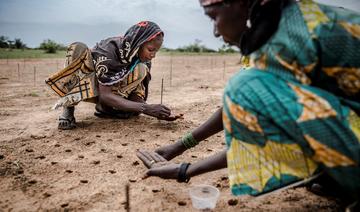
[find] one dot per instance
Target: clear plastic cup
(204, 196)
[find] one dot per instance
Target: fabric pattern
(76, 82)
(295, 111)
(133, 83)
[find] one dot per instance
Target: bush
(18, 44)
(195, 47)
(50, 46)
(226, 49)
(4, 42)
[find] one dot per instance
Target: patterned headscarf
(115, 57)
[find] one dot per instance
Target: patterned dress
(294, 111)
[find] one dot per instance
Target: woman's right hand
(172, 150)
(157, 110)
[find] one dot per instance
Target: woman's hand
(157, 110)
(172, 150)
(171, 117)
(158, 166)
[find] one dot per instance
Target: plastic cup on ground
(204, 196)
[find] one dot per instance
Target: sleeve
(339, 43)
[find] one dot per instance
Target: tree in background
(195, 47)
(51, 46)
(225, 48)
(18, 44)
(4, 42)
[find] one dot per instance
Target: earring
(248, 23)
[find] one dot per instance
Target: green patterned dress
(292, 112)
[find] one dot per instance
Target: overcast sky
(89, 21)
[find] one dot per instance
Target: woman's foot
(67, 119)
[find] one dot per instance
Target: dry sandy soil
(86, 169)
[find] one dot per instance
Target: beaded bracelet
(189, 141)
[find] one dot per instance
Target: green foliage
(195, 47)
(225, 48)
(18, 44)
(4, 42)
(51, 46)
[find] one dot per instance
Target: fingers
(172, 118)
(165, 111)
(150, 158)
(144, 158)
(158, 157)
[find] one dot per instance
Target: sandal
(66, 123)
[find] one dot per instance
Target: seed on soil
(98, 136)
(135, 163)
(68, 150)
(224, 178)
(119, 156)
(142, 140)
(29, 150)
(109, 139)
(84, 181)
(233, 202)
(90, 143)
(209, 150)
(65, 205)
(103, 150)
(112, 171)
(124, 144)
(132, 180)
(95, 162)
(193, 156)
(69, 171)
(40, 157)
(157, 135)
(53, 162)
(155, 190)
(81, 156)
(32, 181)
(182, 203)
(46, 194)
(57, 145)
(223, 143)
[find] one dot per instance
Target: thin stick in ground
(224, 70)
(18, 71)
(162, 90)
(34, 75)
(171, 68)
(127, 194)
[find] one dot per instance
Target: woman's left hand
(158, 166)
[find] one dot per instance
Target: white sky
(89, 21)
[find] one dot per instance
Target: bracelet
(182, 178)
(189, 141)
(142, 108)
